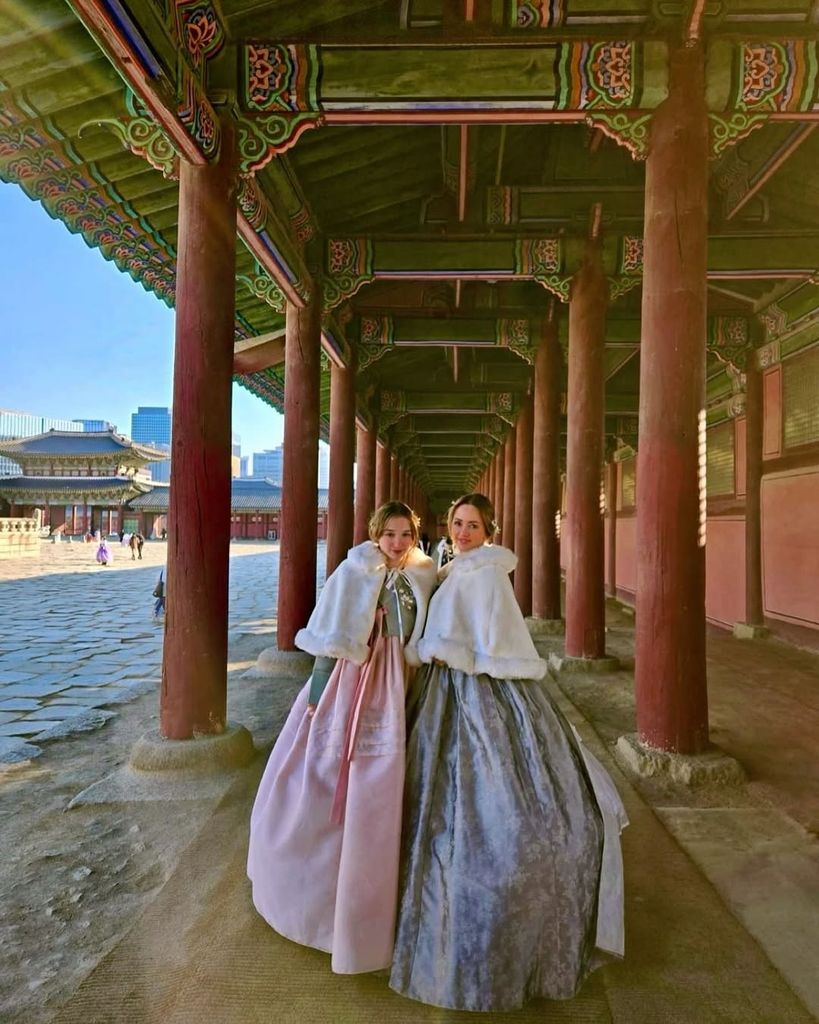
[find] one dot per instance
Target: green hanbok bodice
(397, 602)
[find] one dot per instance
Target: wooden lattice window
(720, 459)
(628, 483)
(800, 399)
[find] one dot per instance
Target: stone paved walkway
(78, 638)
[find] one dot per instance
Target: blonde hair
(391, 510)
(485, 508)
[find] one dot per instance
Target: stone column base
(215, 752)
(745, 631)
(592, 666)
(545, 627)
(713, 768)
(283, 664)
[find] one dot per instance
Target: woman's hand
(311, 710)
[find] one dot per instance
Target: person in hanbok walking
(511, 875)
(326, 824)
(104, 554)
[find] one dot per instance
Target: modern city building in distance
(151, 424)
(267, 465)
(323, 466)
(14, 424)
(235, 455)
(95, 425)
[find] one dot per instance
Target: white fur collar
(478, 558)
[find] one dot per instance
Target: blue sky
(80, 339)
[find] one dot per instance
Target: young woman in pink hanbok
(326, 825)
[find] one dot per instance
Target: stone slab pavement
(79, 639)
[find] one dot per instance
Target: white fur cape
(475, 623)
(344, 614)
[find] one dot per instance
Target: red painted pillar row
(299, 516)
(394, 478)
(548, 378)
(507, 513)
(523, 507)
(670, 676)
(500, 474)
(342, 452)
(365, 481)
(382, 474)
(585, 599)
(194, 658)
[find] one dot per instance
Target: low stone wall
(19, 538)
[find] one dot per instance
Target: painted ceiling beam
(445, 82)
(551, 261)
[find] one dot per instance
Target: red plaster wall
(772, 412)
(790, 546)
(725, 570)
(626, 553)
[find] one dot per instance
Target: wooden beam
(260, 353)
(772, 165)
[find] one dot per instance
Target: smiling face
(396, 540)
(467, 529)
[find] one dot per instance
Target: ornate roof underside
(441, 164)
(69, 490)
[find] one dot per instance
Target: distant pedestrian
(104, 554)
(132, 544)
(140, 543)
(159, 594)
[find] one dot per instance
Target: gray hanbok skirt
(503, 848)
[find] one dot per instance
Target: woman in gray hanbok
(511, 877)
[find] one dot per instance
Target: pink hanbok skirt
(325, 829)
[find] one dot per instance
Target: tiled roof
(15, 486)
(79, 444)
(246, 496)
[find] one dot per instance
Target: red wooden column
(585, 602)
(670, 679)
(500, 473)
(546, 475)
(490, 479)
(365, 481)
(611, 527)
(507, 513)
(299, 516)
(394, 478)
(754, 612)
(194, 656)
(382, 474)
(523, 507)
(342, 451)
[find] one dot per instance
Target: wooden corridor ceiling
(440, 162)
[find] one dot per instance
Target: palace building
(81, 480)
